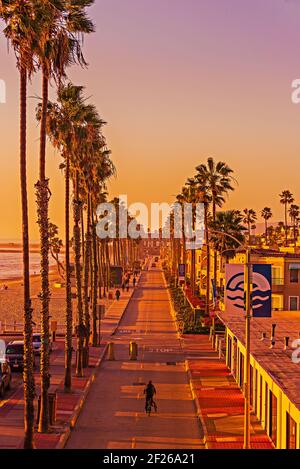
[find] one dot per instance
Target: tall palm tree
(218, 178)
(249, 218)
(228, 222)
(22, 31)
(266, 214)
(63, 24)
(200, 194)
(294, 213)
(286, 198)
(62, 119)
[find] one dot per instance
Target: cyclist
(150, 391)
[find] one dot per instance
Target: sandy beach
(11, 300)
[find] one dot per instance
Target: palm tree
(294, 213)
(266, 214)
(249, 218)
(63, 23)
(200, 194)
(218, 179)
(62, 119)
(22, 31)
(230, 223)
(286, 198)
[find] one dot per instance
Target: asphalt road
(113, 415)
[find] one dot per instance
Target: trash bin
(52, 403)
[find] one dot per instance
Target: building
(275, 376)
(285, 276)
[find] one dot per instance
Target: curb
(173, 312)
(67, 432)
(201, 421)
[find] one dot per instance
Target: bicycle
(149, 404)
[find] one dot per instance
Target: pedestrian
(127, 287)
(123, 286)
(118, 294)
(134, 281)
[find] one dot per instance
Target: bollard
(133, 351)
(111, 353)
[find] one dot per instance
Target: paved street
(113, 415)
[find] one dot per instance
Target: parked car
(37, 343)
(5, 378)
(15, 355)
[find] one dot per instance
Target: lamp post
(248, 308)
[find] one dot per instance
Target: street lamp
(247, 288)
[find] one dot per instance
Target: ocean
(11, 264)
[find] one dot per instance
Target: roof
(276, 362)
(272, 253)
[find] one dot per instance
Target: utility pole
(247, 388)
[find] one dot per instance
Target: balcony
(277, 281)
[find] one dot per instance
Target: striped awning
(294, 266)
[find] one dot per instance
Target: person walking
(118, 294)
(134, 282)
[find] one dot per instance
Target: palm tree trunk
(80, 330)
(285, 218)
(42, 202)
(69, 318)
(95, 284)
(215, 252)
(207, 261)
(28, 376)
(82, 232)
(86, 280)
(266, 229)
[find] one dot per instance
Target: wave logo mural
(261, 289)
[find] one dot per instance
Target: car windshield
(15, 349)
(36, 338)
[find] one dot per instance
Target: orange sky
(177, 82)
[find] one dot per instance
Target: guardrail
(17, 328)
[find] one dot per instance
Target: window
(291, 432)
(229, 351)
(293, 303)
(294, 273)
(251, 385)
(255, 391)
(273, 418)
(241, 377)
(260, 398)
(277, 302)
(266, 406)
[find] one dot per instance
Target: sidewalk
(68, 405)
(219, 400)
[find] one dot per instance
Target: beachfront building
(275, 375)
(285, 276)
